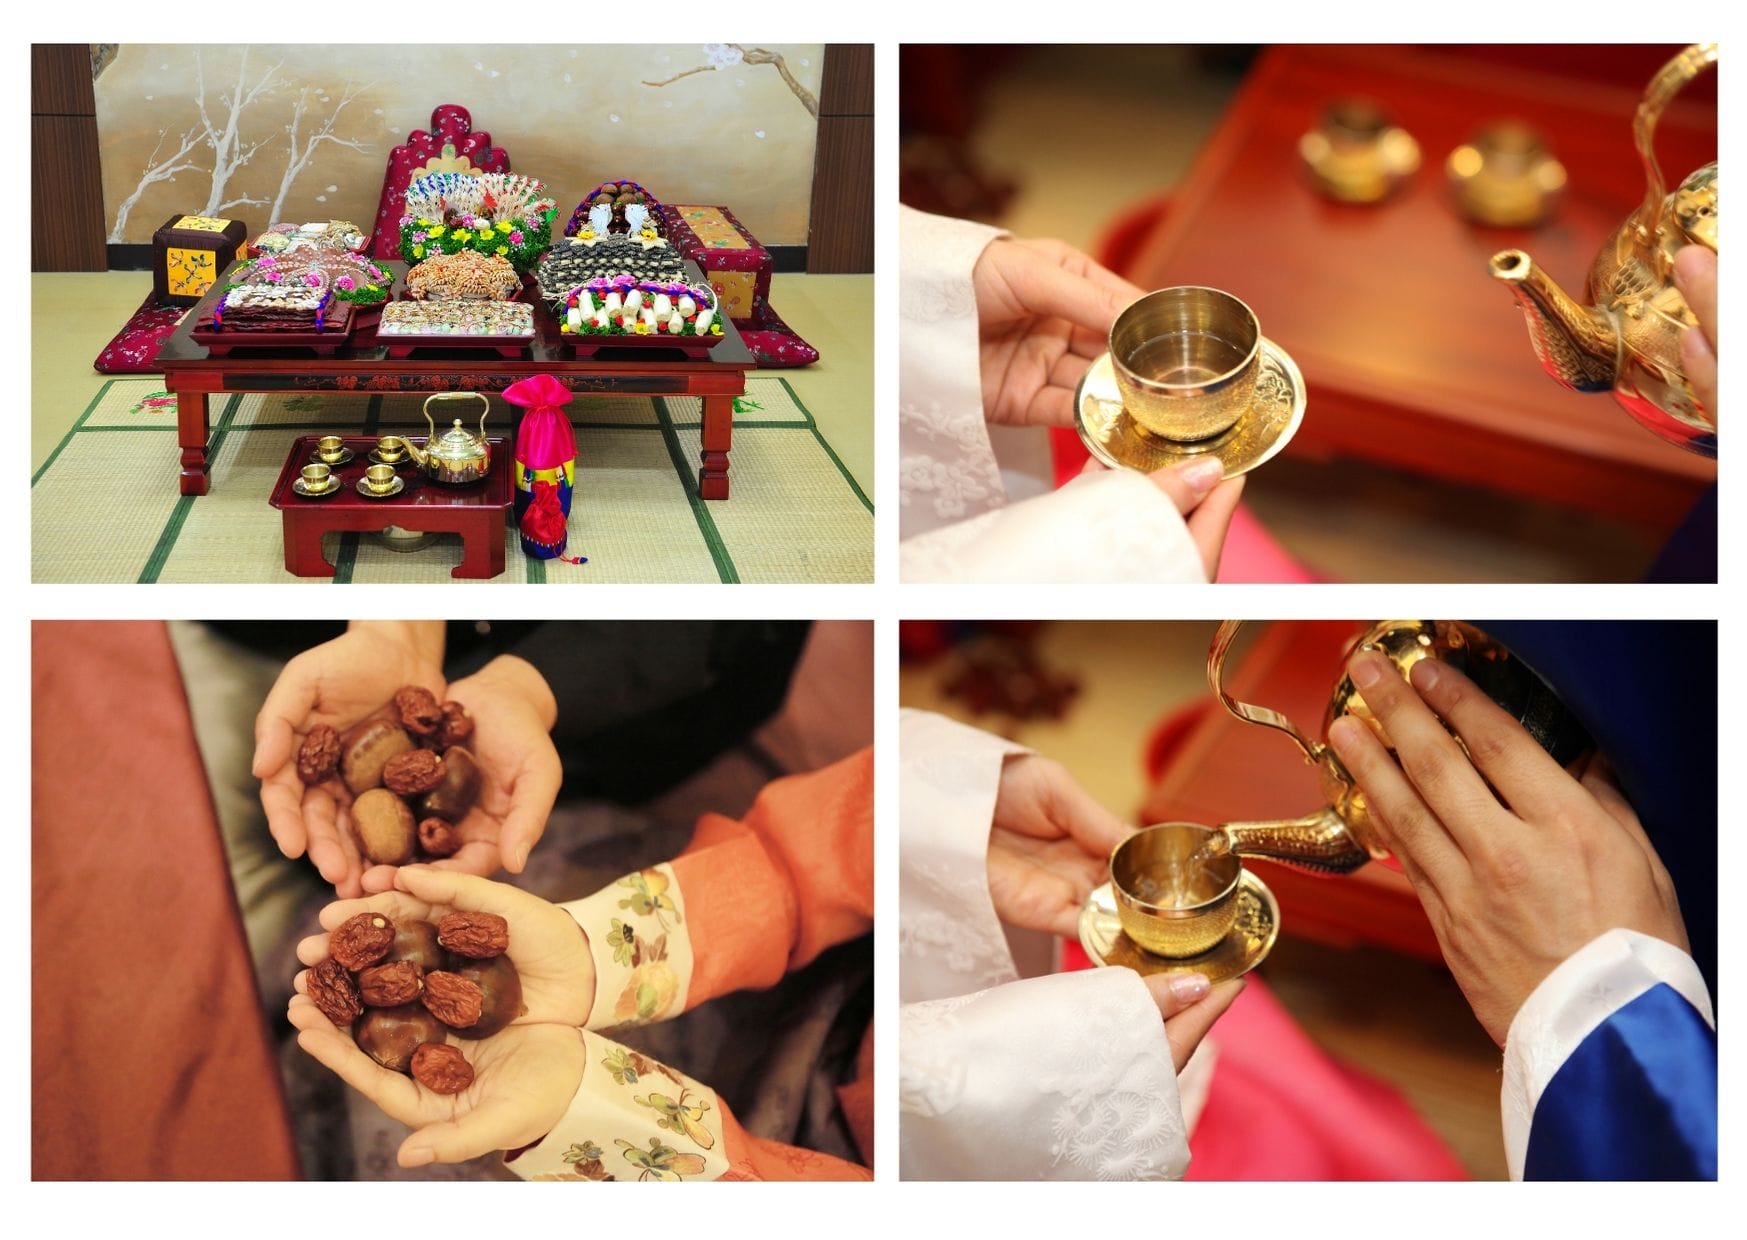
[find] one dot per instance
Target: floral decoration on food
(351, 277)
(622, 305)
(493, 213)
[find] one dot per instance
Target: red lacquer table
(476, 512)
(364, 366)
(1413, 356)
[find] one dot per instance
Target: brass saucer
(1113, 436)
(396, 461)
(332, 486)
(1246, 946)
(344, 458)
(396, 489)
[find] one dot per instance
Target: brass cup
(379, 478)
(1186, 360)
(316, 477)
(330, 448)
(1140, 876)
(391, 447)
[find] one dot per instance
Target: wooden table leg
(303, 547)
(193, 425)
(482, 547)
(718, 437)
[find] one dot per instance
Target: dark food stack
(570, 263)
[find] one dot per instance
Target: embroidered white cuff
(1589, 986)
(632, 1119)
(641, 946)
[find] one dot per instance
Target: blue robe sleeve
(1637, 1099)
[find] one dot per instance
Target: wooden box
(190, 252)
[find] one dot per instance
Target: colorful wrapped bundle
(493, 213)
(625, 306)
(545, 465)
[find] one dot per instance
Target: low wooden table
(1413, 356)
(364, 366)
(476, 511)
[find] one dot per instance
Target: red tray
(325, 343)
(589, 345)
(507, 346)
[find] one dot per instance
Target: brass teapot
(1340, 837)
(1627, 338)
(457, 456)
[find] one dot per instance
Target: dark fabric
(1647, 692)
(150, 1058)
(1637, 1099)
(641, 706)
(1691, 552)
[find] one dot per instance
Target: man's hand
(513, 712)
(1695, 274)
(338, 683)
(1518, 864)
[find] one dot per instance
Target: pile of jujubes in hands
(413, 780)
(403, 987)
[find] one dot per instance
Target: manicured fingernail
(1367, 669)
(1202, 474)
(1189, 987)
(1426, 674)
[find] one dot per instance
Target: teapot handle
(1217, 654)
(483, 398)
(1669, 81)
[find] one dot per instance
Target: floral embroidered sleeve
(747, 901)
(636, 1119)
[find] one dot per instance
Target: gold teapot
(1627, 337)
(457, 456)
(1340, 837)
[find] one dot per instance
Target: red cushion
(450, 125)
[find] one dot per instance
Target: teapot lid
(457, 441)
(1695, 206)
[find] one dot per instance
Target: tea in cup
(1176, 896)
(317, 477)
(330, 448)
(379, 478)
(1186, 360)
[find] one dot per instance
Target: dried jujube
(456, 1001)
(478, 936)
(391, 984)
(441, 1068)
(334, 992)
(361, 941)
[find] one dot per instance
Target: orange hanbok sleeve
(748, 900)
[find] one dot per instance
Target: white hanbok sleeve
(1061, 1077)
(956, 513)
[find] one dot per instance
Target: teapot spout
(1319, 842)
(420, 456)
(1578, 345)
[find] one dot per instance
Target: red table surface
(1413, 356)
(1226, 770)
(493, 491)
(150, 1055)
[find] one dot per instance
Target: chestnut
(390, 1035)
(366, 749)
(417, 941)
(502, 985)
(385, 827)
(452, 798)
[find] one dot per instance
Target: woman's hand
(548, 948)
(524, 1075)
(513, 712)
(1190, 1006)
(1518, 863)
(338, 683)
(1044, 311)
(1049, 846)
(1695, 274)
(523, 1080)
